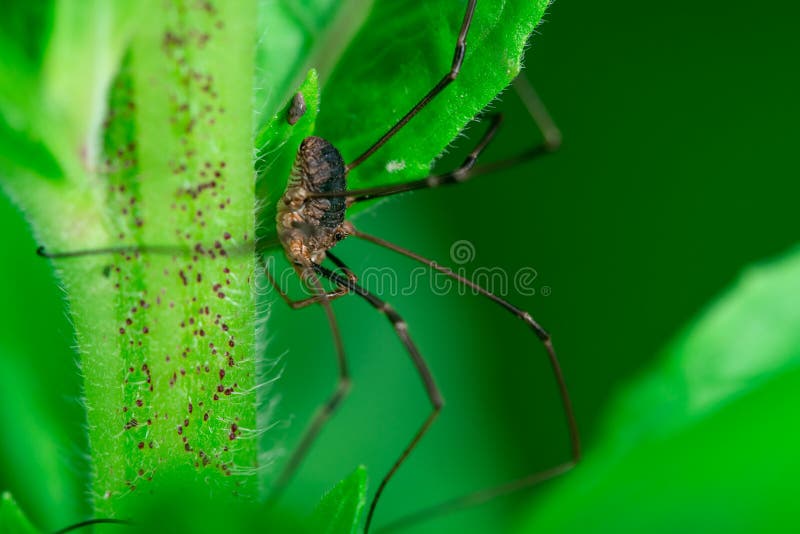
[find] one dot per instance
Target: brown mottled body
(308, 227)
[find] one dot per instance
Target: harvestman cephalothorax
(311, 221)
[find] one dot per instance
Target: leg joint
(345, 385)
(458, 59)
(342, 391)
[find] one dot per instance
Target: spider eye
(338, 236)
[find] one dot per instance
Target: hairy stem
(166, 339)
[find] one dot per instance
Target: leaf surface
(707, 437)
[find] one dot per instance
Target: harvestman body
(311, 220)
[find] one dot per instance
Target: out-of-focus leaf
(58, 60)
(298, 36)
(20, 149)
(12, 519)
(35, 454)
(180, 507)
(707, 439)
(743, 340)
(24, 34)
(88, 42)
(340, 510)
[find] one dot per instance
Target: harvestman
(311, 221)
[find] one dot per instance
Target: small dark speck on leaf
(296, 110)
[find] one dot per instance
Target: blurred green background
(678, 169)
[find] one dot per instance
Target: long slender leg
(447, 79)
(298, 304)
(544, 123)
(541, 333)
(538, 112)
(91, 522)
(468, 169)
(303, 303)
(460, 174)
(434, 395)
(142, 249)
(133, 249)
(476, 498)
(327, 410)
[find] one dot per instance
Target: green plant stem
(167, 341)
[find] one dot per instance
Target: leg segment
(447, 79)
(538, 112)
(329, 408)
(461, 174)
(302, 303)
(144, 249)
(544, 337)
(434, 395)
(124, 249)
(91, 522)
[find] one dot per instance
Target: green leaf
(396, 58)
(35, 452)
(182, 507)
(276, 146)
(340, 510)
(24, 34)
(12, 519)
(706, 438)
